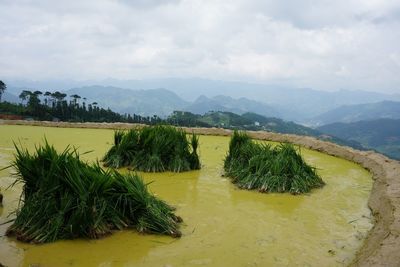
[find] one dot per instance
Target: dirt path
(382, 246)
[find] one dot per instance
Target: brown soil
(10, 117)
(382, 246)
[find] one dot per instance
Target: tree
(38, 93)
(75, 97)
(34, 102)
(24, 95)
(47, 96)
(59, 96)
(3, 87)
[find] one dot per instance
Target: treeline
(56, 106)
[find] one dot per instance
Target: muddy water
(223, 226)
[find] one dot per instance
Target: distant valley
(296, 104)
(361, 112)
(382, 134)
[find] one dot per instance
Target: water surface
(223, 226)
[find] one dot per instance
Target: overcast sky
(326, 45)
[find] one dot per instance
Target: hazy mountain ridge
(251, 121)
(298, 104)
(150, 102)
(161, 102)
(142, 102)
(242, 105)
(9, 97)
(361, 112)
(382, 134)
(279, 125)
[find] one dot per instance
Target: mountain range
(242, 105)
(361, 112)
(251, 121)
(369, 123)
(150, 102)
(297, 104)
(9, 97)
(382, 135)
(161, 102)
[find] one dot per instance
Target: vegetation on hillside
(55, 106)
(382, 135)
(361, 112)
(268, 169)
(65, 198)
(247, 121)
(251, 121)
(154, 149)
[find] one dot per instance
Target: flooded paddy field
(223, 226)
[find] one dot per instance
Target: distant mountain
(298, 104)
(142, 102)
(242, 105)
(382, 134)
(250, 121)
(279, 125)
(353, 113)
(302, 104)
(6, 96)
(247, 121)
(225, 120)
(162, 102)
(204, 104)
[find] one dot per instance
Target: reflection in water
(223, 226)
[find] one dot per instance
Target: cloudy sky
(327, 45)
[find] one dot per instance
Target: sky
(325, 45)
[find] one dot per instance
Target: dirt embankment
(382, 246)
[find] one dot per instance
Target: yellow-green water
(223, 226)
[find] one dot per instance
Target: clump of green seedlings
(266, 168)
(154, 149)
(65, 198)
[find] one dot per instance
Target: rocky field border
(382, 245)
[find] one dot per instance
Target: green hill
(241, 105)
(362, 112)
(382, 135)
(251, 121)
(279, 125)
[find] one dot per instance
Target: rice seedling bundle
(65, 198)
(268, 169)
(154, 149)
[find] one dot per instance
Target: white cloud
(321, 44)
